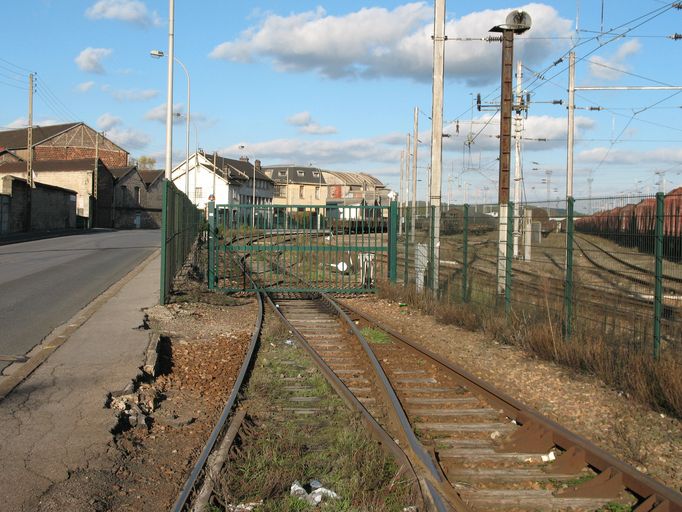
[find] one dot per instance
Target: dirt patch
(151, 457)
(650, 441)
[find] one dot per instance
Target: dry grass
(657, 384)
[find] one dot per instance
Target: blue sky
(335, 84)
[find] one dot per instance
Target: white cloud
(345, 153)
(131, 11)
(108, 121)
(85, 86)
(552, 131)
(158, 113)
(376, 42)
(22, 122)
(601, 67)
(305, 124)
(300, 119)
(90, 59)
(652, 157)
(128, 138)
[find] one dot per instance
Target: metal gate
(301, 248)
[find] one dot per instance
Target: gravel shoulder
(649, 441)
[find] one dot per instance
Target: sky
(335, 85)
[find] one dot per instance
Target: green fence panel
(181, 223)
(393, 242)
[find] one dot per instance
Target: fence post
(432, 249)
(568, 278)
(211, 245)
(164, 241)
(465, 255)
(393, 242)
(508, 257)
(658, 288)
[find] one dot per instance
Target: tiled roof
(295, 174)
(82, 164)
(149, 176)
(17, 139)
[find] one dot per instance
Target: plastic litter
(549, 457)
(315, 496)
(244, 507)
(289, 342)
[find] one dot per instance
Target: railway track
(470, 446)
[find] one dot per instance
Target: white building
(224, 180)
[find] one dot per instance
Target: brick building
(137, 199)
(70, 141)
(76, 175)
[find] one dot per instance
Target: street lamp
(157, 54)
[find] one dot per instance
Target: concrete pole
(415, 143)
(517, 160)
(169, 95)
(437, 134)
(571, 125)
(402, 192)
(413, 215)
(505, 155)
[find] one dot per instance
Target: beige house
(92, 202)
(297, 185)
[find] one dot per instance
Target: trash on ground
(315, 496)
(244, 507)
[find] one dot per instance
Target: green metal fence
(181, 224)
(610, 267)
(302, 248)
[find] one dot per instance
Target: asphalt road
(43, 283)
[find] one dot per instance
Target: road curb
(18, 372)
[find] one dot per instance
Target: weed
(616, 507)
(375, 336)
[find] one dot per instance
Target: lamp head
(157, 54)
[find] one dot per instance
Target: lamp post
(157, 54)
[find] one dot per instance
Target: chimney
(257, 165)
(243, 158)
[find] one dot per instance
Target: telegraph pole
(413, 214)
(571, 125)
(437, 136)
(169, 94)
(29, 160)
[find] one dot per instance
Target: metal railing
(609, 266)
(300, 248)
(181, 224)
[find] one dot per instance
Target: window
(137, 195)
(316, 174)
(198, 192)
(317, 192)
(300, 172)
(300, 192)
(281, 190)
(283, 172)
(124, 194)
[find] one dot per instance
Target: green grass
(375, 336)
(331, 446)
(616, 507)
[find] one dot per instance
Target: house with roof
(137, 198)
(224, 180)
(69, 141)
(89, 178)
(298, 185)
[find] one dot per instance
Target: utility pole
(415, 143)
(402, 192)
(413, 214)
(169, 95)
(571, 125)
(517, 161)
(437, 136)
(517, 22)
(29, 160)
(93, 203)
